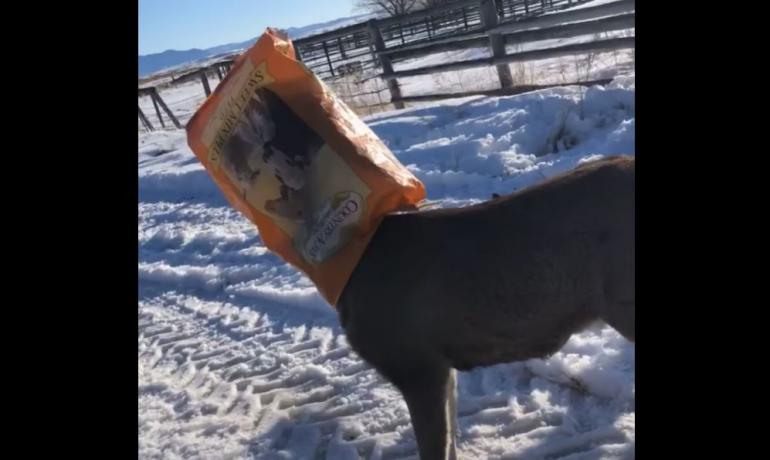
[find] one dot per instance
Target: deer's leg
(452, 396)
(430, 396)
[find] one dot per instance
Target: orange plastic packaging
(296, 161)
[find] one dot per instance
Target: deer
(505, 280)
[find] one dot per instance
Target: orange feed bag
(296, 161)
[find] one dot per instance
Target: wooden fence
(371, 49)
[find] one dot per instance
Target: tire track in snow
(301, 392)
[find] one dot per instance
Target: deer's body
(506, 280)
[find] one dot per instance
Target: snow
(239, 357)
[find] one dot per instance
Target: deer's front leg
(430, 396)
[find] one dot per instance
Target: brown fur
(505, 280)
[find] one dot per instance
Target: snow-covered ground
(239, 357)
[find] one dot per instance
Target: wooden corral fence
(158, 103)
(465, 24)
(202, 74)
(370, 49)
(221, 68)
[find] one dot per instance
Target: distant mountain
(151, 63)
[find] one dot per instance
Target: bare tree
(389, 7)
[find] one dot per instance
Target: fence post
(328, 60)
(526, 6)
(387, 66)
(342, 51)
(157, 97)
(219, 72)
(157, 112)
(427, 27)
(145, 121)
(496, 42)
(465, 19)
(205, 82)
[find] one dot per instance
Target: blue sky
(185, 24)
